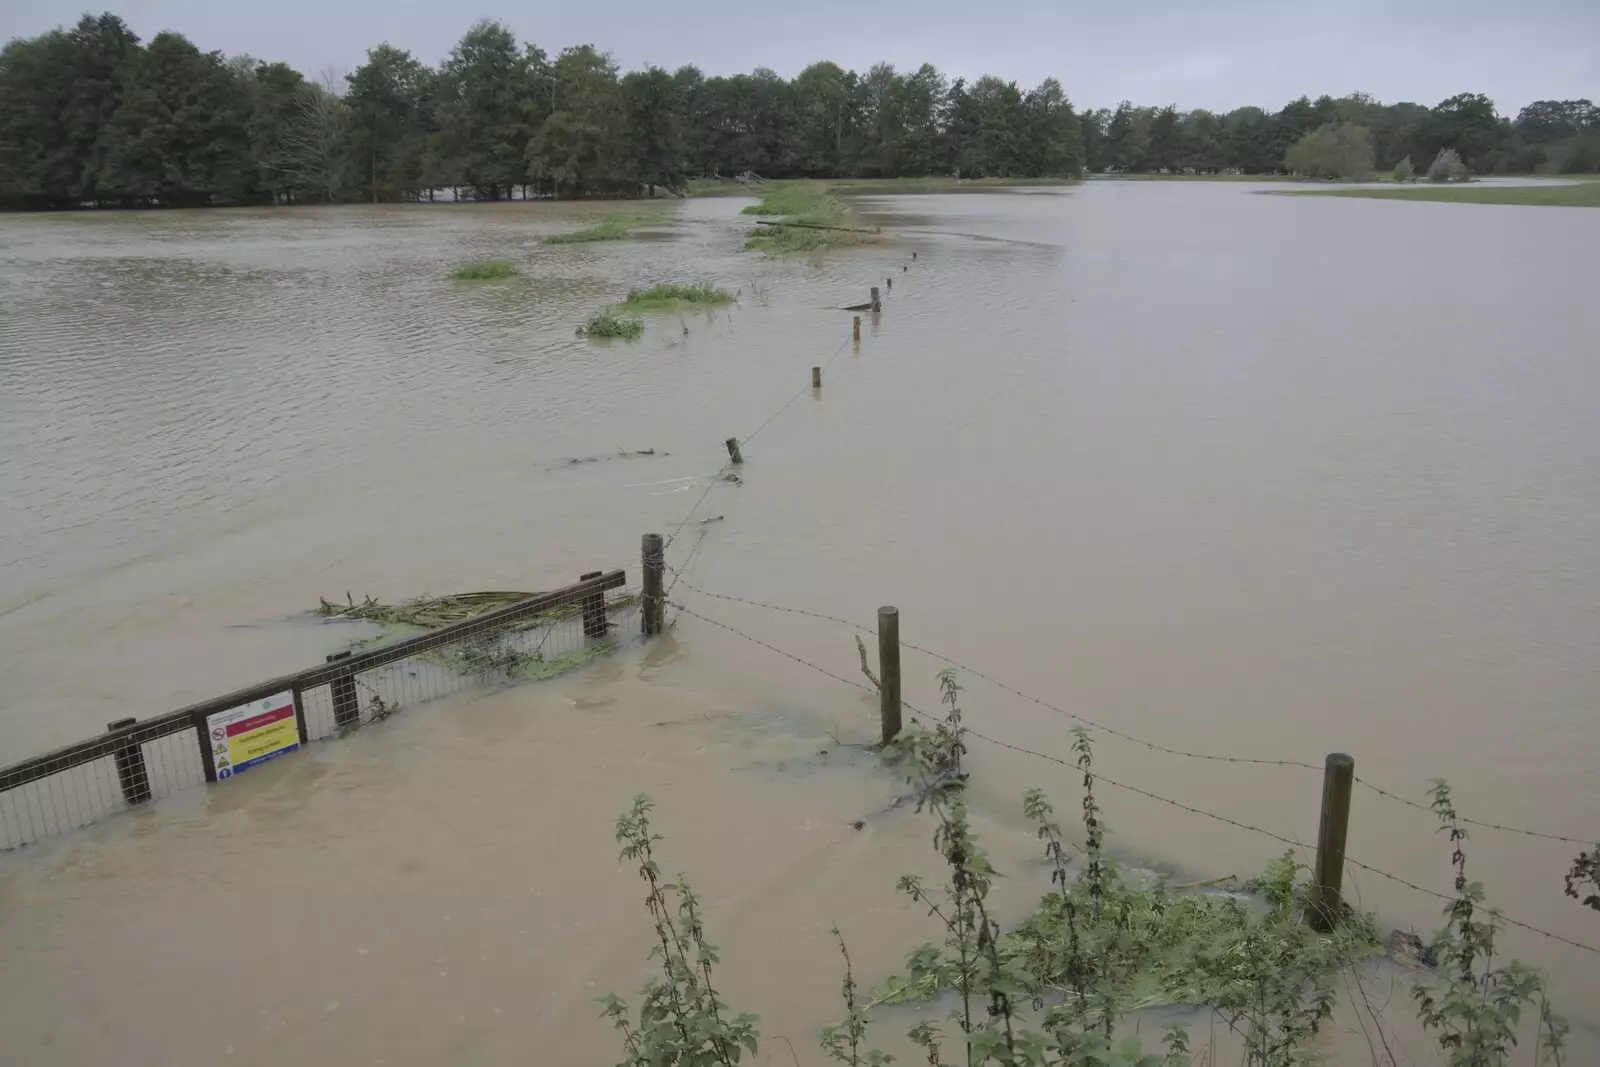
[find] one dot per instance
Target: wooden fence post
(594, 609)
(877, 305)
(816, 377)
(130, 766)
(889, 671)
(655, 563)
(888, 283)
(733, 450)
(1327, 908)
(346, 704)
(856, 330)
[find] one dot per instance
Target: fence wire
(967, 731)
(150, 760)
(1110, 730)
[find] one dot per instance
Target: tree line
(90, 115)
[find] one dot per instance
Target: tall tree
(653, 113)
(275, 93)
(1467, 122)
(58, 95)
(1166, 145)
(387, 127)
(181, 135)
(580, 148)
(1096, 148)
(1127, 138)
(1054, 145)
(484, 109)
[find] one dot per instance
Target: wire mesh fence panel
(70, 798)
(316, 704)
(173, 763)
(81, 785)
(138, 761)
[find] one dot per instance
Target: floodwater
(1255, 476)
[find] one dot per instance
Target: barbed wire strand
(1153, 746)
(1129, 788)
(1113, 731)
(1584, 842)
(722, 471)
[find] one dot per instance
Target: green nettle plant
(1585, 872)
(682, 1018)
(1475, 1008)
(1052, 991)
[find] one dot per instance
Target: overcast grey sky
(1217, 55)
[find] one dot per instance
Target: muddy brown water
(1251, 475)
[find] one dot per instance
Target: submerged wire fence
(139, 761)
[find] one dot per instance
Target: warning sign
(253, 733)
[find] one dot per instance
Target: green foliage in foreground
(607, 323)
(1093, 951)
(1577, 194)
(487, 270)
(610, 228)
(668, 297)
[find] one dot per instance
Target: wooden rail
(194, 716)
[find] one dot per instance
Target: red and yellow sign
(252, 733)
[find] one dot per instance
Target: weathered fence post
(816, 377)
(1328, 878)
(877, 304)
(889, 284)
(889, 671)
(655, 564)
(130, 766)
(594, 609)
(856, 330)
(346, 705)
(733, 450)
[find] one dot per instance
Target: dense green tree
(826, 119)
(388, 126)
(921, 96)
(1096, 148)
(487, 110)
(1467, 123)
(1544, 121)
(653, 121)
(581, 146)
(1126, 143)
(181, 134)
(1200, 142)
(276, 93)
(1053, 147)
(89, 116)
(1165, 141)
(1249, 141)
(58, 95)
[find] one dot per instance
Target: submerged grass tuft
(485, 270)
(804, 205)
(669, 297)
(607, 323)
(610, 228)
